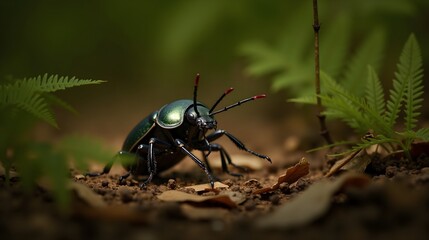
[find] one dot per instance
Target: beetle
(166, 136)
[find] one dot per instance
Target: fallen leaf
(312, 203)
(342, 162)
(206, 186)
(292, 175)
(196, 213)
(358, 163)
(178, 196)
(86, 194)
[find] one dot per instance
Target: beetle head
(200, 118)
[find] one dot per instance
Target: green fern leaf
(304, 100)
(422, 134)
(380, 139)
(28, 100)
(374, 92)
(409, 67)
(368, 117)
(52, 83)
(342, 104)
(414, 91)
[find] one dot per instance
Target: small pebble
(171, 184)
(104, 183)
(252, 183)
(275, 199)
(391, 171)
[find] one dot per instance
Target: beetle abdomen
(139, 132)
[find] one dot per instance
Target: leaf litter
(312, 203)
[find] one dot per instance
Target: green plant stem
(322, 118)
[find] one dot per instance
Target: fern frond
(54, 100)
(344, 106)
(28, 100)
(52, 83)
(374, 92)
(422, 134)
(380, 139)
(369, 118)
(369, 53)
(304, 100)
(414, 93)
(408, 68)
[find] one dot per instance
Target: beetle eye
(191, 116)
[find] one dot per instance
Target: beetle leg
(180, 144)
(151, 160)
(219, 133)
(226, 159)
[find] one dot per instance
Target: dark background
(150, 51)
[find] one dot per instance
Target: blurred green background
(150, 51)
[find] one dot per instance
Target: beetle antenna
(238, 104)
(220, 99)
(197, 80)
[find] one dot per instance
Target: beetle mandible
(168, 135)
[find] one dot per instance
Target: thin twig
(316, 27)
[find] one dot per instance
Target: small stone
(171, 184)
(104, 183)
(252, 183)
(391, 171)
(275, 199)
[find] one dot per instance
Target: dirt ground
(394, 204)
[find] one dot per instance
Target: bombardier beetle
(169, 134)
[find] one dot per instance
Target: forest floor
(292, 197)
(391, 200)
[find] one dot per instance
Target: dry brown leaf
(312, 203)
(206, 186)
(86, 194)
(178, 196)
(356, 161)
(196, 213)
(292, 175)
